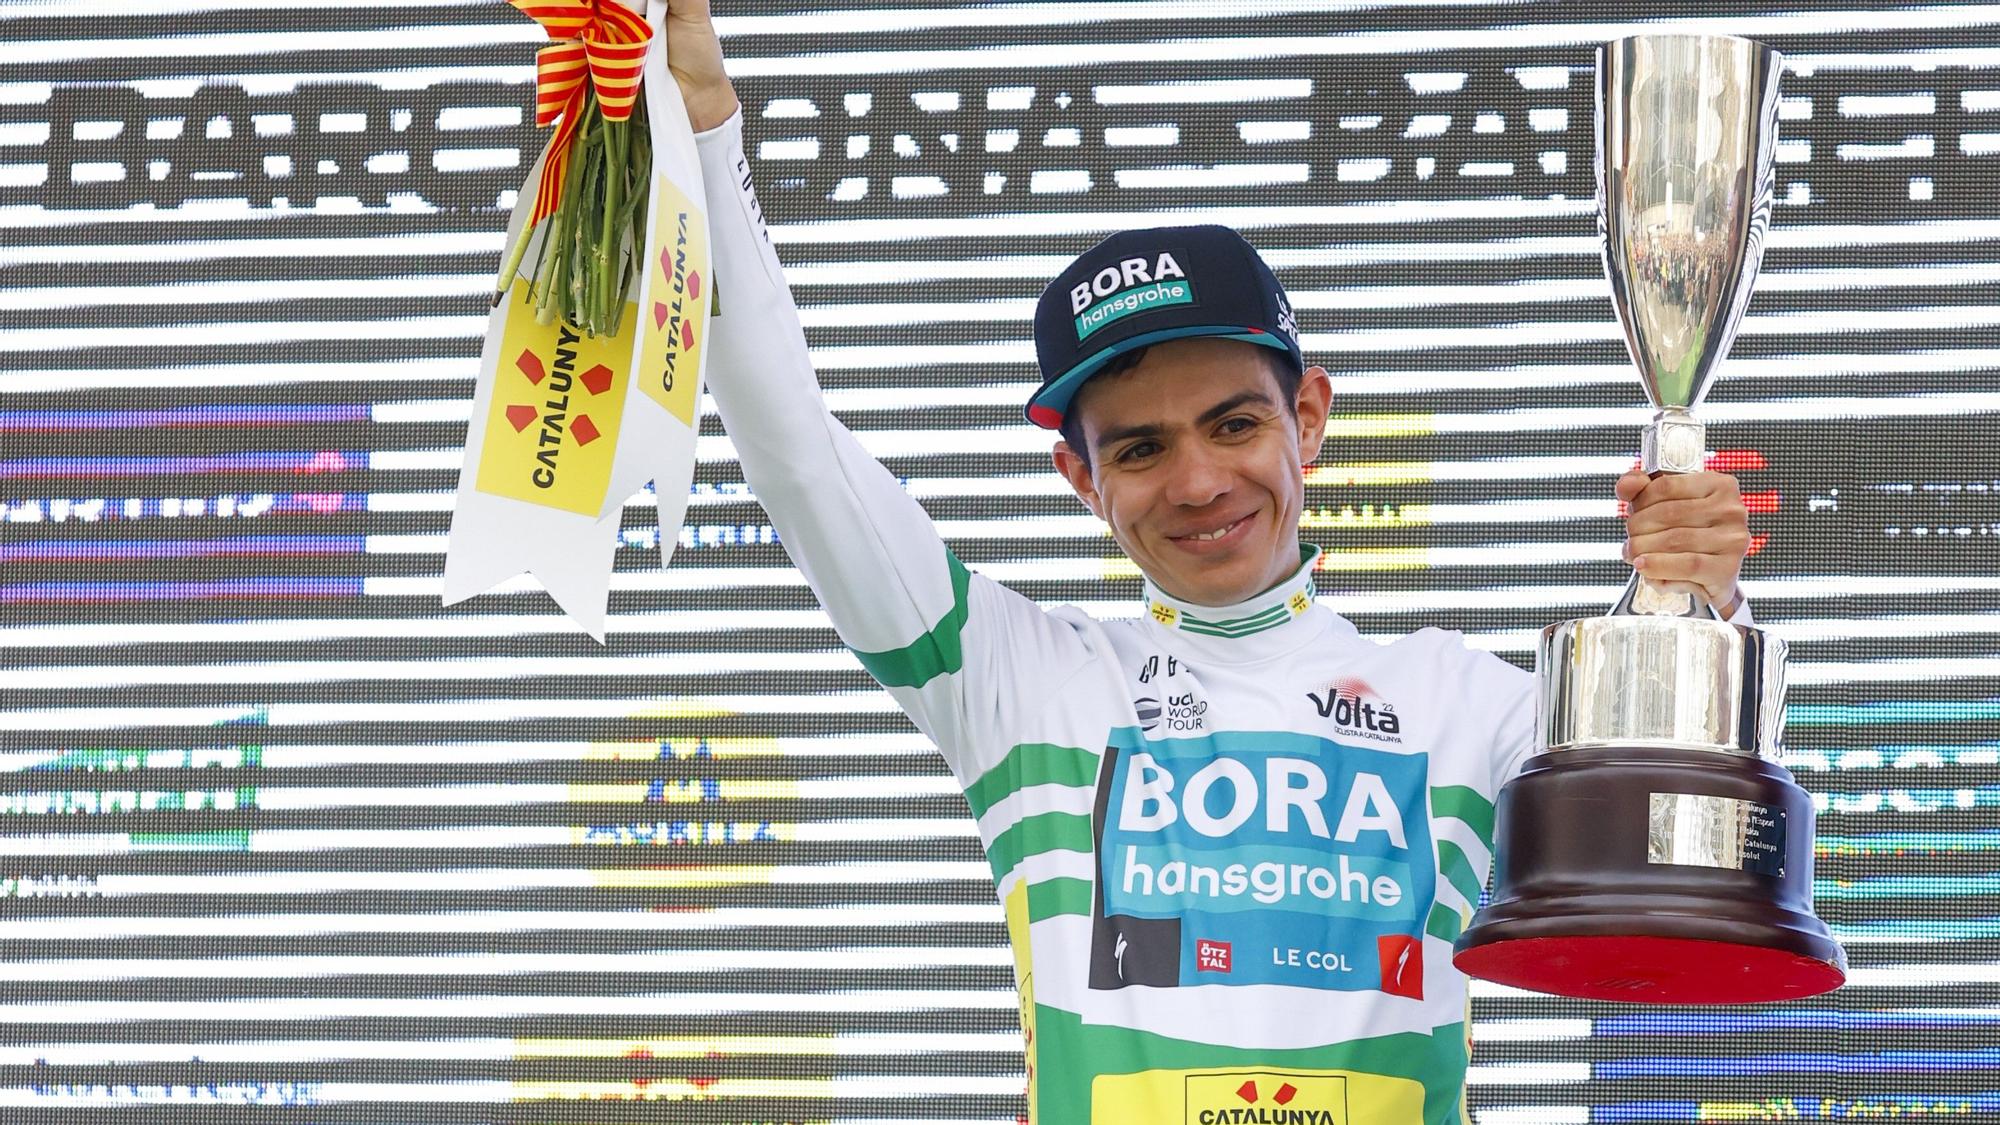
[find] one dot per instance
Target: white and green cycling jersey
(1233, 845)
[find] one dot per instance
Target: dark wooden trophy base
(1580, 909)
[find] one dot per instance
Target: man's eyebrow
(1121, 433)
(1233, 402)
(1154, 429)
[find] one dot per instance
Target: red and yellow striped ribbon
(602, 40)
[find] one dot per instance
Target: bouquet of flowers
(591, 196)
(581, 399)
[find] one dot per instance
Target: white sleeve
(1507, 694)
(912, 613)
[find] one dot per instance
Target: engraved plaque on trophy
(1655, 851)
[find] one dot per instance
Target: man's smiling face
(1198, 465)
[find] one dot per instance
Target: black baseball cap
(1141, 287)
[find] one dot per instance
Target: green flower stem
(559, 302)
(512, 265)
(632, 219)
(552, 255)
(591, 241)
(617, 151)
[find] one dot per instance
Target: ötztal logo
(1211, 956)
(1358, 709)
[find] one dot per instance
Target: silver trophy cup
(1655, 851)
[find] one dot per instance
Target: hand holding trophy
(1655, 851)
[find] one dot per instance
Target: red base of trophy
(1654, 876)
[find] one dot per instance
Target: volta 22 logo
(1358, 709)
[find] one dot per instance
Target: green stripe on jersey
(1033, 835)
(1051, 897)
(1444, 922)
(936, 653)
(1241, 627)
(1247, 620)
(1467, 804)
(1031, 763)
(1454, 865)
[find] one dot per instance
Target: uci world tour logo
(1358, 710)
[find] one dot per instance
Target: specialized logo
(1400, 957)
(1134, 285)
(674, 327)
(1266, 1098)
(1358, 710)
(552, 425)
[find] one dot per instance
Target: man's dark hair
(1275, 361)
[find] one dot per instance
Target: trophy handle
(1674, 443)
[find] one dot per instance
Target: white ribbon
(564, 427)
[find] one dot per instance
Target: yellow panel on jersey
(1249, 1096)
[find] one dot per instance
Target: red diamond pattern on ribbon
(687, 335)
(694, 285)
(597, 380)
(1247, 1091)
(659, 314)
(584, 429)
(531, 366)
(521, 416)
(1285, 1093)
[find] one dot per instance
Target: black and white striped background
(283, 841)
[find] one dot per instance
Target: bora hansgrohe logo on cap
(1133, 285)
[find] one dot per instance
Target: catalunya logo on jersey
(1308, 861)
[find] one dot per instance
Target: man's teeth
(1216, 534)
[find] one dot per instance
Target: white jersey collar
(1274, 621)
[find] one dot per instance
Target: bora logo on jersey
(1303, 858)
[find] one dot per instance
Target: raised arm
(898, 597)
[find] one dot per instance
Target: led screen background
(281, 832)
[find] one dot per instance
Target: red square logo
(1402, 960)
(1211, 956)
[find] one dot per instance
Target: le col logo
(1357, 709)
